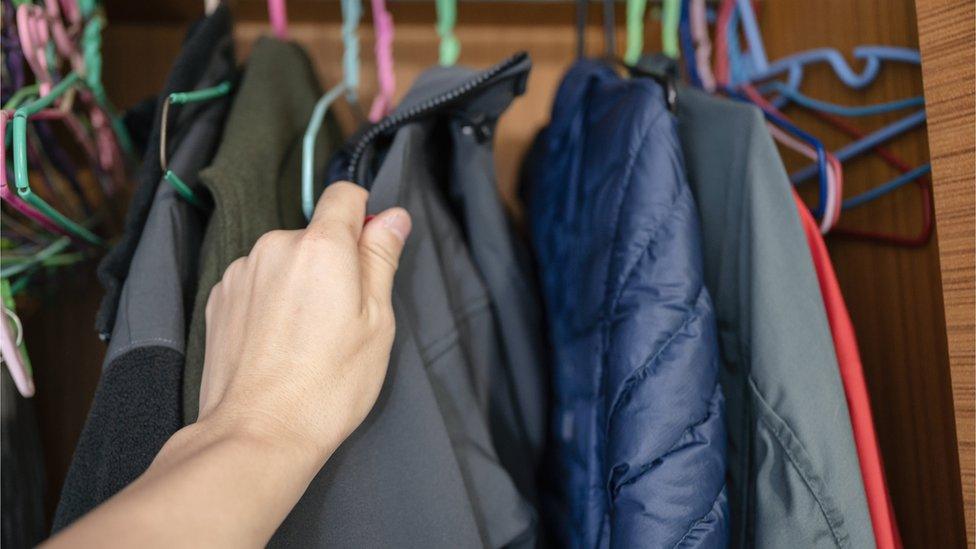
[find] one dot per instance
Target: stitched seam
(632, 380)
(141, 343)
(629, 177)
(701, 520)
(648, 466)
(651, 240)
(795, 461)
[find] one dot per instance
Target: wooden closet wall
(895, 295)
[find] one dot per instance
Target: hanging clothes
(852, 374)
(450, 344)
(255, 177)
(203, 39)
(794, 475)
(637, 428)
(137, 404)
(23, 522)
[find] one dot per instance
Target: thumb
(380, 246)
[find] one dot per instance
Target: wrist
(266, 436)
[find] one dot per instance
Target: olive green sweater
(255, 178)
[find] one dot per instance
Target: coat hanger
(88, 83)
(450, 47)
(383, 27)
(635, 30)
(609, 29)
(10, 197)
(723, 38)
(923, 183)
(741, 73)
(183, 98)
(21, 180)
(12, 345)
(697, 41)
(278, 15)
(581, 16)
(700, 58)
(865, 143)
(670, 18)
(351, 14)
(829, 201)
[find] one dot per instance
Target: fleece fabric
(137, 404)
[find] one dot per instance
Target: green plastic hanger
(670, 17)
(450, 47)
(19, 138)
(92, 81)
(182, 98)
(635, 30)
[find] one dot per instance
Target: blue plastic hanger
(352, 11)
(870, 141)
(820, 168)
(688, 44)
(738, 66)
(755, 67)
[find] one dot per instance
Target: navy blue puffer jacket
(637, 430)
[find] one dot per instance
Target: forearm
(214, 483)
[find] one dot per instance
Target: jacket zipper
(398, 119)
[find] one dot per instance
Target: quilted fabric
(637, 449)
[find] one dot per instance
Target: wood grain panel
(947, 34)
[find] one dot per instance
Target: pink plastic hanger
(383, 25)
(832, 210)
(34, 36)
(10, 351)
(62, 36)
(703, 44)
(36, 29)
(835, 175)
(278, 14)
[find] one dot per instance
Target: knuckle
(268, 240)
(212, 301)
(234, 269)
(348, 189)
(382, 253)
(381, 315)
(328, 235)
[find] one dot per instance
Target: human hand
(299, 332)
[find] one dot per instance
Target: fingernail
(398, 221)
(368, 219)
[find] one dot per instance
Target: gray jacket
(794, 477)
(450, 397)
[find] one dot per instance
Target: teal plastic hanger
(90, 80)
(19, 138)
(352, 12)
(450, 47)
(182, 98)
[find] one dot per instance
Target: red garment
(855, 389)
